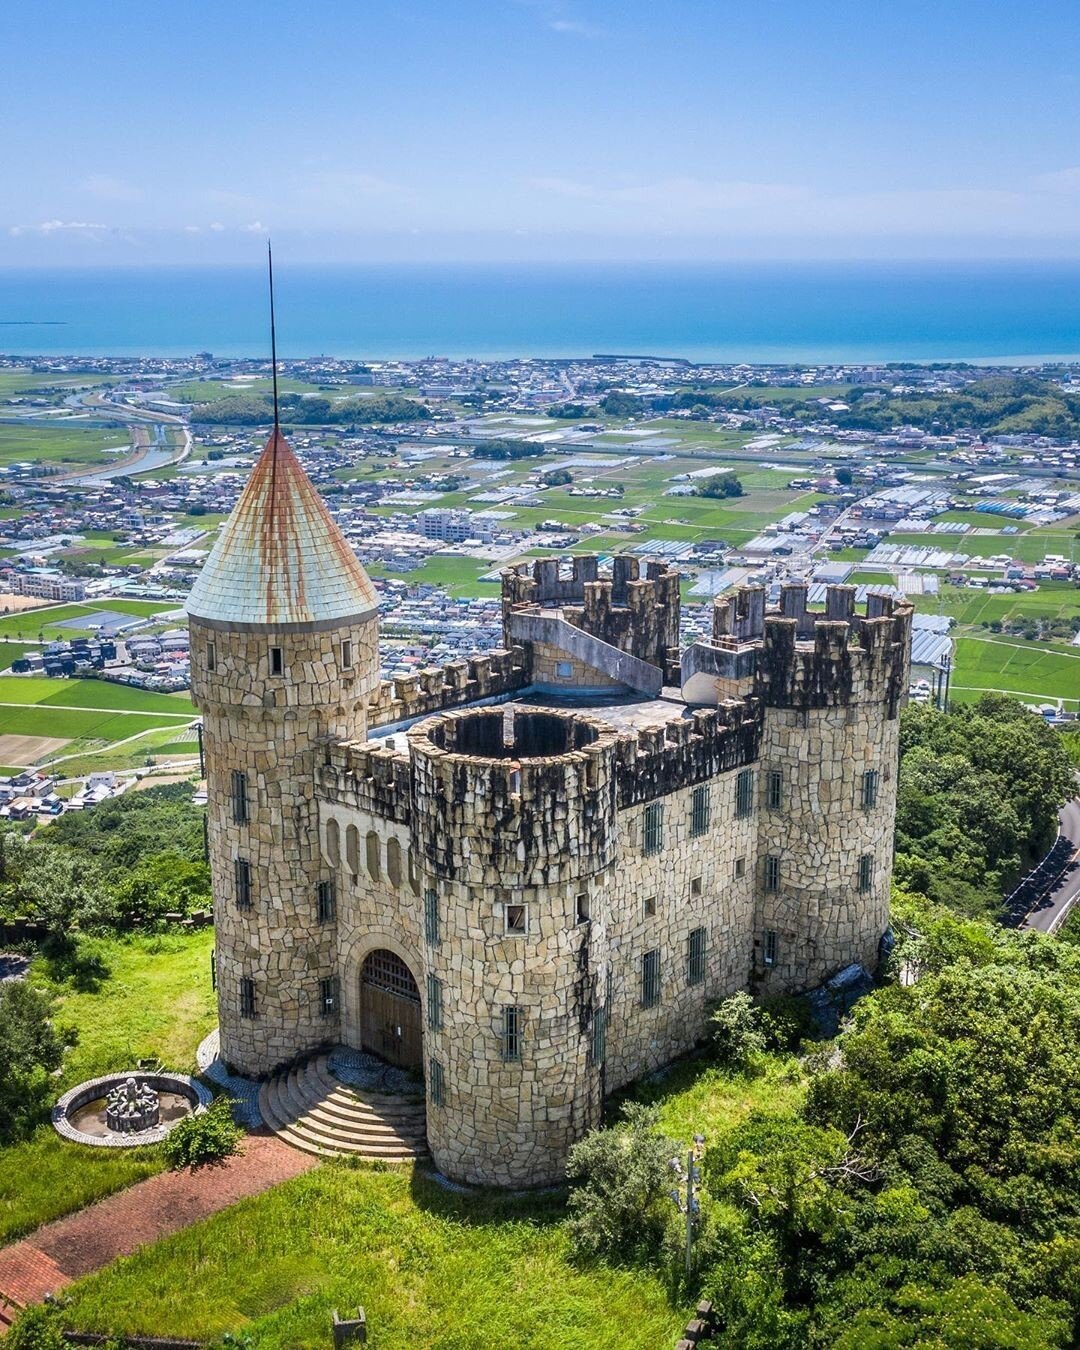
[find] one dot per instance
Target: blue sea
(754, 312)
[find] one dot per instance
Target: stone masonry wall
(272, 729)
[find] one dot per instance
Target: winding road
(1049, 891)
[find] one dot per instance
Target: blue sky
(547, 129)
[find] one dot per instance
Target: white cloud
(256, 227)
(193, 229)
(217, 226)
(53, 226)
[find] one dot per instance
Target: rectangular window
(277, 661)
(699, 810)
(650, 979)
(770, 948)
(582, 907)
(744, 792)
(325, 901)
(346, 653)
(564, 670)
(695, 956)
(431, 917)
(869, 789)
(695, 887)
(740, 868)
(654, 827)
(239, 798)
(774, 790)
(597, 1042)
(435, 1082)
(211, 656)
(648, 906)
(772, 872)
(242, 883)
(866, 871)
(328, 996)
(434, 1003)
(515, 919)
(247, 997)
(511, 1033)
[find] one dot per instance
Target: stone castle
(526, 875)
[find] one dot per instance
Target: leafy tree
(719, 485)
(617, 404)
(738, 1031)
(30, 1050)
(619, 1203)
(508, 449)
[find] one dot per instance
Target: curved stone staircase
(307, 1107)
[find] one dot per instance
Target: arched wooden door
(390, 1010)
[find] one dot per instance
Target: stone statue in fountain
(132, 1106)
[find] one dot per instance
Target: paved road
(1055, 883)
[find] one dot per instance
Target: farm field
(1030, 670)
(59, 446)
(45, 622)
(1030, 546)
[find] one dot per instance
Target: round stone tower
(514, 825)
(833, 685)
(284, 652)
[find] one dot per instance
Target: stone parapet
(454, 685)
(635, 614)
(687, 750)
(513, 797)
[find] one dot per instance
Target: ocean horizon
(1001, 313)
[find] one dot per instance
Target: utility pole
(689, 1205)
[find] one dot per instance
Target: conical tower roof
(280, 559)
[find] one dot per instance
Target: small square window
(648, 906)
(346, 654)
(695, 886)
(740, 868)
(564, 670)
(277, 661)
(516, 918)
(582, 907)
(211, 656)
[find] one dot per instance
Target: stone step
(310, 1110)
(323, 1076)
(297, 1097)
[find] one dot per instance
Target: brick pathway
(59, 1252)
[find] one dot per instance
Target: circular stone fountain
(125, 1109)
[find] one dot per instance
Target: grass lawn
(79, 758)
(430, 1268)
(155, 999)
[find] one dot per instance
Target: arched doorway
(390, 1010)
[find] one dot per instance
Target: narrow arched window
(393, 861)
(371, 848)
(333, 842)
(352, 849)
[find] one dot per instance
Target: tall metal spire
(273, 333)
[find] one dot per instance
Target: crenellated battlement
(451, 686)
(368, 776)
(637, 615)
(688, 750)
(792, 656)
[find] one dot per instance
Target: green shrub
(36, 1329)
(738, 1031)
(207, 1137)
(619, 1206)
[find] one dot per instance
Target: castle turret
(284, 654)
